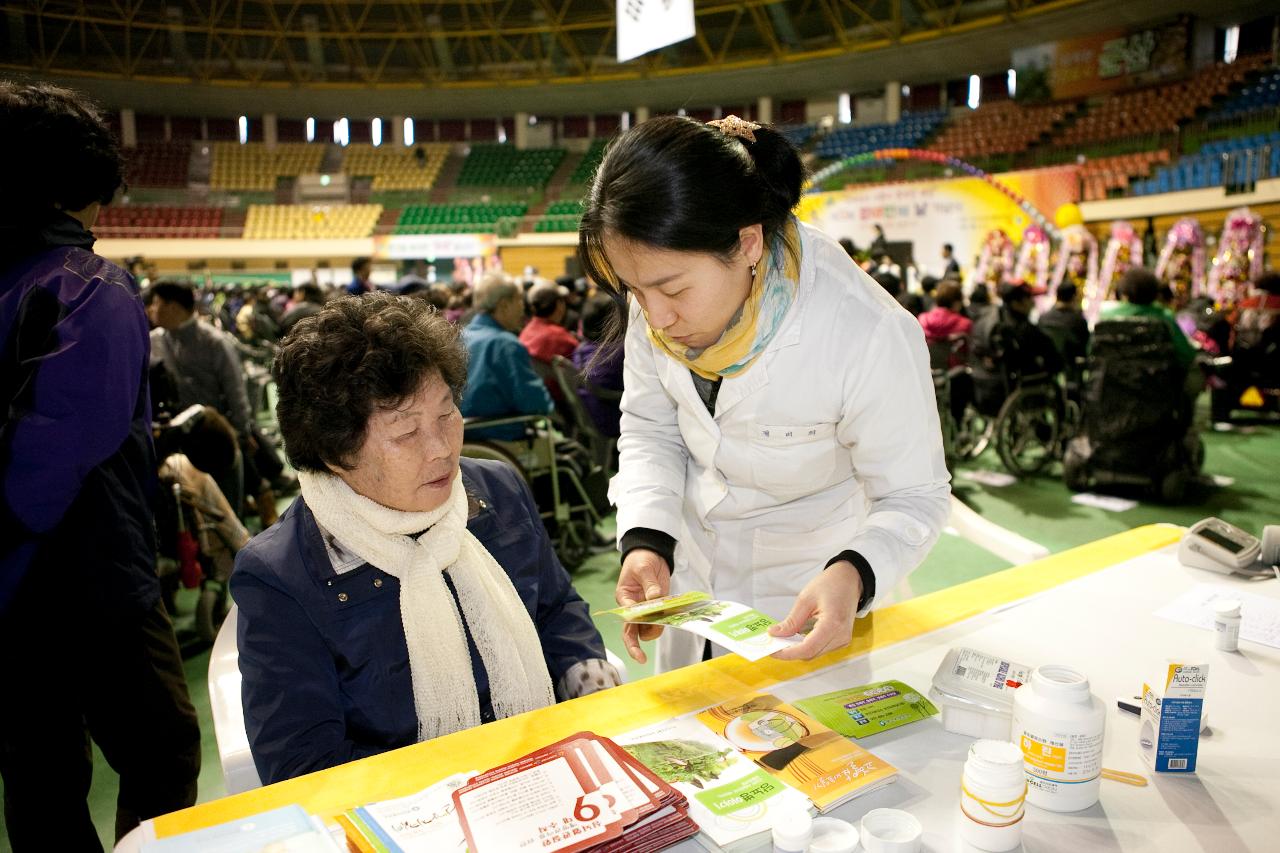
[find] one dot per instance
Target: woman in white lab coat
(780, 443)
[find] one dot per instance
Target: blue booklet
(291, 827)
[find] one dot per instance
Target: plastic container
(1226, 624)
(993, 793)
(1059, 726)
(792, 830)
(832, 835)
(890, 831)
(974, 691)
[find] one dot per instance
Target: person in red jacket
(543, 336)
(944, 322)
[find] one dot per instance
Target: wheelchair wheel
(973, 436)
(1027, 430)
(495, 452)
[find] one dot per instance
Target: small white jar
(1059, 726)
(792, 830)
(1226, 624)
(993, 793)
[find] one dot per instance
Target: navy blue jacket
(327, 680)
(77, 469)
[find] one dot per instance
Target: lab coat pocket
(783, 562)
(790, 460)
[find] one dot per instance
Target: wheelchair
(1029, 416)
(603, 448)
(1138, 427)
(570, 492)
(964, 433)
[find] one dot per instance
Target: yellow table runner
(660, 697)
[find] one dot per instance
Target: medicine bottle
(1059, 725)
(993, 794)
(1226, 624)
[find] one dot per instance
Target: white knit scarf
(444, 688)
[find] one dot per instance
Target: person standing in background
(86, 646)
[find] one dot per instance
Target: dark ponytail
(678, 184)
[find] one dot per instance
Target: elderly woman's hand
(644, 576)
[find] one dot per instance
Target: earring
(753, 270)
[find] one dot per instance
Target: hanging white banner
(645, 25)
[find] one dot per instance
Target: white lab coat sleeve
(890, 425)
(649, 487)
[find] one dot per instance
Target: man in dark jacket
(85, 643)
(1007, 348)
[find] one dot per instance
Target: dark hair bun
(780, 171)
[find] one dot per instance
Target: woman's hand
(644, 576)
(831, 600)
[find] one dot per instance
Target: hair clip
(734, 126)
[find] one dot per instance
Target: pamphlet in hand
(730, 797)
(582, 793)
(740, 629)
(808, 756)
(870, 709)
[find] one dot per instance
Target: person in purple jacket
(86, 647)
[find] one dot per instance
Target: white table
(1103, 625)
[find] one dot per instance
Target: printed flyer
(799, 750)
(870, 709)
(730, 797)
(740, 629)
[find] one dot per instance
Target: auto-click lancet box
(1169, 735)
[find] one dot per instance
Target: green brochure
(870, 709)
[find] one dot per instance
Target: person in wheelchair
(1008, 348)
(1138, 289)
(1067, 327)
(408, 592)
(501, 381)
(947, 331)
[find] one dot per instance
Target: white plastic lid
(1226, 608)
(832, 835)
(891, 831)
(792, 828)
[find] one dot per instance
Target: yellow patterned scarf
(772, 291)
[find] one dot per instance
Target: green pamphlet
(870, 709)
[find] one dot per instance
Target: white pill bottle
(1059, 726)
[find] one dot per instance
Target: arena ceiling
(470, 54)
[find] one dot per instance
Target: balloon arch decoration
(969, 169)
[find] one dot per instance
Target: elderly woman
(407, 593)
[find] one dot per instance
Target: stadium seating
(586, 169)
(492, 165)
(1236, 161)
(456, 218)
(396, 167)
(118, 221)
(1000, 127)
(850, 140)
(1261, 95)
(310, 222)
(1154, 110)
(255, 167)
(560, 217)
(1099, 176)
(158, 164)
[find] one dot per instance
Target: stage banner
(927, 214)
(431, 246)
(1110, 60)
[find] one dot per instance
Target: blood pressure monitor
(1219, 547)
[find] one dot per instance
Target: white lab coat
(830, 441)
